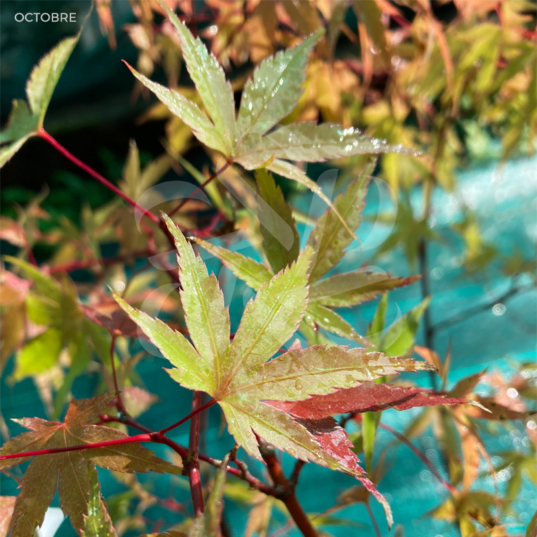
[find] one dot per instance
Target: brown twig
(286, 490)
(241, 473)
(192, 465)
(119, 402)
(211, 178)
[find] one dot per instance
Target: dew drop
(298, 384)
(119, 286)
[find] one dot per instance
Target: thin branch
(128, 440)
(119, 402)
(421, 456)
(46, 136)
(201, 188)
(192, 465)
(295, 474)
(191, 415)
(287, 492)
(373, 520)
(241, 473)
(470, 312)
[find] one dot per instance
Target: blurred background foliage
(454, 79)
(449, 78)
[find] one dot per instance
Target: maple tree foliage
(330, 237)
(240, 374)
(71, 472)
(272, 394)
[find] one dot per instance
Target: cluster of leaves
(402, 75)
(269, 391)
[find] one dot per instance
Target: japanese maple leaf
(70, 472)
(240, 375)
(329, 239)
(365, 397)
(252, 138)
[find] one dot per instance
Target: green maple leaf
(208, 524)
(97, 522)
(56, 306)
(408, 232)
(270, 96)
(328, 240)
(135, 180)
(240, 375)
(277, 225)
(26, 118)
(70, 472)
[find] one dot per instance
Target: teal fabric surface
(505, 202)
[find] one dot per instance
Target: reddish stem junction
(157, 436)
(190, 456)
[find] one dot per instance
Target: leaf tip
(478, 405)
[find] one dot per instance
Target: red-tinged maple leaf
(365, 397)
(241, 375)
(334, 440)
(70, 472)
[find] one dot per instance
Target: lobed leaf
(206, 316)
(274, 90)
(277, 225)
(353, 288)
(309, 142)
(187, 111)
(25, 119)
(334, 230)
(70, 472)
(253, 273)
(246, 381)
(210, 80)
(367, 397)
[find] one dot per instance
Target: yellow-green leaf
(210, 80)
(276, 223)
